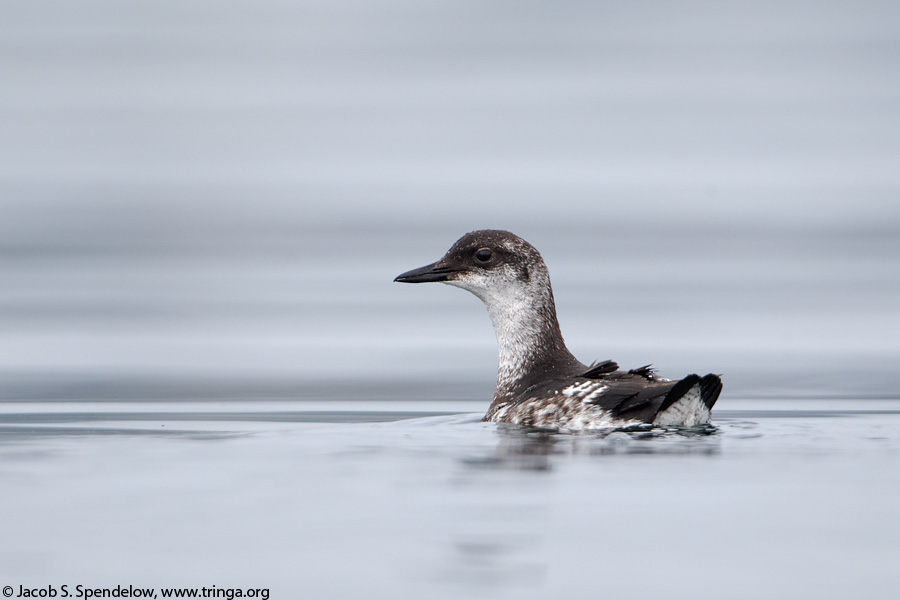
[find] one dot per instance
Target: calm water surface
(389, 499)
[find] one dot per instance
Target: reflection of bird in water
(530, 449)
(539, 382)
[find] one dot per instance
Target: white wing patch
(687, 410)
(577, 389)
(585, 391)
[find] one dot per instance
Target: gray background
(210, 199)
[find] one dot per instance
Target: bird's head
(492, 264)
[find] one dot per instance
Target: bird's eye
(483, 255)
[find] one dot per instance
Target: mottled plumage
(539, 382)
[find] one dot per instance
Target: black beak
(433, 272)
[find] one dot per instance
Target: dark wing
(631, 396)
(636, 395)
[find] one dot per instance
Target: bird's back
(604, 396)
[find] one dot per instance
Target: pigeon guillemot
(539, 382)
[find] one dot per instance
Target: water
(781, 499)
(208, 378)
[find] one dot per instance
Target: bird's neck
(528, 335)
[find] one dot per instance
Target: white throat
(518, 311)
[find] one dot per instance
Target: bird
(540, 383)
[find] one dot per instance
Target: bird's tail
(710, 388)
(689, 401)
